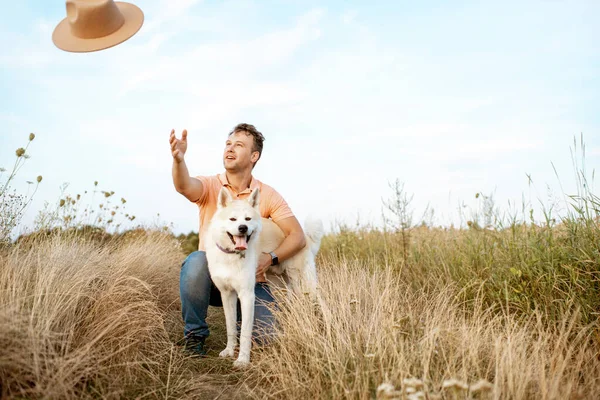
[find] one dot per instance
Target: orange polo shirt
(272, 205)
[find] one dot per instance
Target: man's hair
(251, 131)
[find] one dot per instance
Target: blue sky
(452, 98)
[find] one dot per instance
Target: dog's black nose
(243, 228)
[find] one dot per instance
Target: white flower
(416, 396)
(482, 386)
(413, 382)
(454, 384)
(388, 391)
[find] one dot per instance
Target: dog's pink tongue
(240, 242)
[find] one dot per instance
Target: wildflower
(132, 218)
(95, 183)
(106, 194)
(62, 202)
(477, 195)
(31, 136)
(73, 202)
(101, 205)
(39, 178)
(470, 223)
(123, 200)
(482, 386)
(20, 151)
(78, 196)
(112, 213)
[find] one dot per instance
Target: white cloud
(349, 16)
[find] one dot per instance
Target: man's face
(238, 154)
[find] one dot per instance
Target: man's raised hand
(178, 146)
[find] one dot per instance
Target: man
(243, 149)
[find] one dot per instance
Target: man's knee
(194, 271)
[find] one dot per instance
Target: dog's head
(236, 222)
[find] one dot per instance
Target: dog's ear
(254, 198)
(224, 198)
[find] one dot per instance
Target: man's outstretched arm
(190, 187)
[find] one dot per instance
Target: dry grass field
(469, 314)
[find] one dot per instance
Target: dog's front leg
(247, 303)
(229, 307)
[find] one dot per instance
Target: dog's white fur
(235, 273)
(298, 272)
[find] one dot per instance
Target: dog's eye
(233, 219)
(248, 218)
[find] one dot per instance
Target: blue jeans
(197, 292)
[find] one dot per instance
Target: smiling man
(243, 149)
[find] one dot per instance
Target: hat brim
(65, 40)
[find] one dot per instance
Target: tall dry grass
(86, 319)
(88, 316)
(508, 311)
(377, 328)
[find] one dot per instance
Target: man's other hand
(178, 146)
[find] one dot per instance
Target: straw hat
(93, 25)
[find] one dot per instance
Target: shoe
(195, 345)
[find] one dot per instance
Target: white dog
(232, 255)
(236, 236)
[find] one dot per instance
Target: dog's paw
(241, 363)
(226, 353)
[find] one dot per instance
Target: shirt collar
(254, 184)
